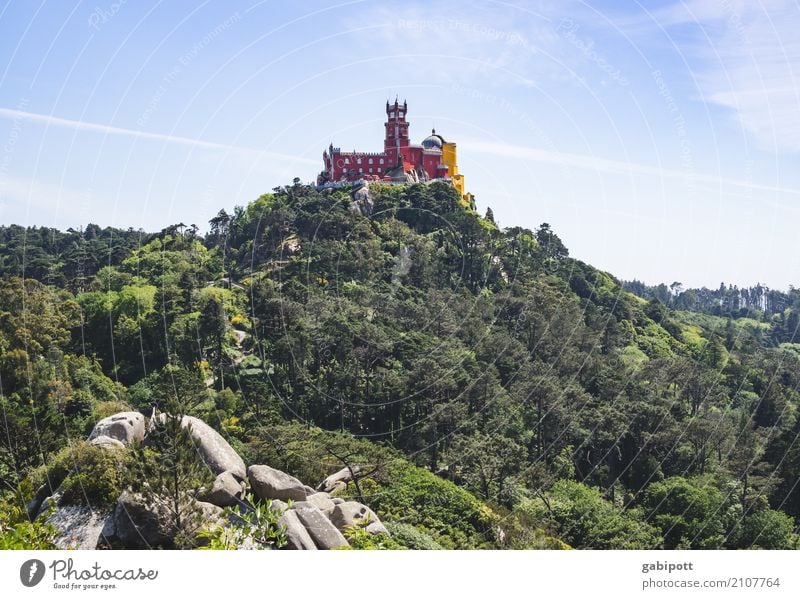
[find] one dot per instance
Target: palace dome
(433, 141)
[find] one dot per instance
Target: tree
(172, 475)
(688, 512)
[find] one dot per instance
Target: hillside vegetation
(498, 392)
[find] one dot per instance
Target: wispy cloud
(54, 121)
(607, 166)
(749, 61)
(20, 196)
(449, 42)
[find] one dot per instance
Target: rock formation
(309, 518)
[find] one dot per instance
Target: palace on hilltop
(400, 162)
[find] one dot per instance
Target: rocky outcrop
(139, 524)
(107, 442)
(352, 514)
(124, 427)
(144, 523)
(323, 501)
(338, 480)
(310, 518)
(216, 452)
(362, 201)
(226, 490)
(81, 527)
(321, 530)
(269, 483)
(297, 536)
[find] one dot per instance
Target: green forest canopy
(519, 388)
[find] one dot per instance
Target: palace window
(381, 160)
(370, 160)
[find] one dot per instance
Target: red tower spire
(396, 130)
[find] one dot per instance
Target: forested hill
(567, 409)
(777, 311)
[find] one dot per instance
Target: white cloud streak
(605, 165)
(54, 121)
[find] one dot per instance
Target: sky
(659, 139)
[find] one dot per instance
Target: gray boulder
(297, 536)
(140, 523)
(216, 452)
(377, 528)
(338, 480)
(225, 491)
(125, 427)
(276, 505)
(322, 501)
(325, 534)
(269, 483)
(80, 527)
(106, 442)
(352, 513)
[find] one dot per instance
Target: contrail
(109, 130)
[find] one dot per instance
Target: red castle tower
(400, 161)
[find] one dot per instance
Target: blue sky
(660, 140)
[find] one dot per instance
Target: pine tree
(172, 474)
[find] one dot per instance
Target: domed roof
(433, 141)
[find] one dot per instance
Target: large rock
(323, 501)
(351, 513)
(139, 524)
(105, 442)
(297, 536)
(269, 483)
(325, 534)
(143, 523)
(276, 505)
(216, 452)
(338, 480)
(225, 491)
(81, 527)
(124, 427)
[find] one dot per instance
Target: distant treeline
(779, 308)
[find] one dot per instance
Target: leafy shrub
(580, 516)
(104, 409)
(16, 530)
(411, 538)
(359, 538)
(255, 527)
(85, 474)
